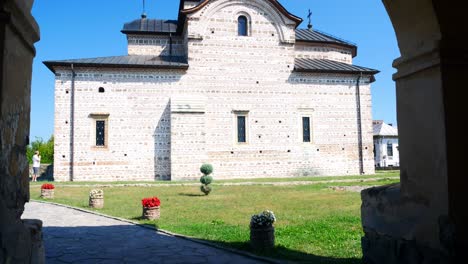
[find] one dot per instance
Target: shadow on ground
(287, 255)
(135, 244)
(191, 194)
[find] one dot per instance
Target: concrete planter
(47, 193)
(96, 202)
(262, 238)
(151, 213)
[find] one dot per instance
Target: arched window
(101, 89)
(242, 26)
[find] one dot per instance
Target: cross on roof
(143, 15)
(309, 17)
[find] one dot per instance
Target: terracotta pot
(47, 193)
(262, 238)
(96, 202)
(151, 213)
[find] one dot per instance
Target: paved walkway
(73, 236)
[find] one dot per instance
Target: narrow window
(389, 149)
(306, 129)
(100, 133)
(241, 138)
(242, 26)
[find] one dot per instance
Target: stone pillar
(19, 240)
(420, 220)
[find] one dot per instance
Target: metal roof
(329, 66)
(150, 26)
(134, 61)
(382, 129)
(316, 36)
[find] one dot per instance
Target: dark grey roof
(316, 36)
(329, 66)
(150, 26)
(134, 61)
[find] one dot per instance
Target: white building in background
(386, 150)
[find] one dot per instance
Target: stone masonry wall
(20, 239)
(155, 45)
(315, 51)
(148, 138)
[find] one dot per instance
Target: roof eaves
(132, 32)
(169, 65)
(372, 72)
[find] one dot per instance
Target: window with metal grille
(306, 129)
(241, 135)
(242, 26)
(100, 133)
(389, 149)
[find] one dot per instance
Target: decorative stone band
(47, 193)
(151, 213)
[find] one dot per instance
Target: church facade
(233, 83)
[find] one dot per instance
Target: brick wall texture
(164, 124)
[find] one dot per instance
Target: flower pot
(151, 213)
(262, 238)
(47, 193)
(96, 202)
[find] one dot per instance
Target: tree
(45, 148)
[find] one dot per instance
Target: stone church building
(233, 83)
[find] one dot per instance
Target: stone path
(73, 236)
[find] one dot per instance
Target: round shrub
(205, 189)
(206, 169)
(206, 179)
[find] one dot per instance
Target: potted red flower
(151, 208)
(47, 191)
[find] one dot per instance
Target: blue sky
(89, 28)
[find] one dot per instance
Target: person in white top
(36, 164)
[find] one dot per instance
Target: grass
(315, 224)
(378, 175)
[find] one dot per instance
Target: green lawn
(314, 224)
(379, 175)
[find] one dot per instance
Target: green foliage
(206, 179)
(46, 150)
(206, 169)
(206, 189)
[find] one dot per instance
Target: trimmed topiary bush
(206, 169)
(205, 189)
(206, 179)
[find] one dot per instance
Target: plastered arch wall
(202, 19)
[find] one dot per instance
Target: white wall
(381, 156)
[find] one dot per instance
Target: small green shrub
(206, 180)
(206, 189)
(206, 169)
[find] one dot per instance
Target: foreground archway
(420, 221)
